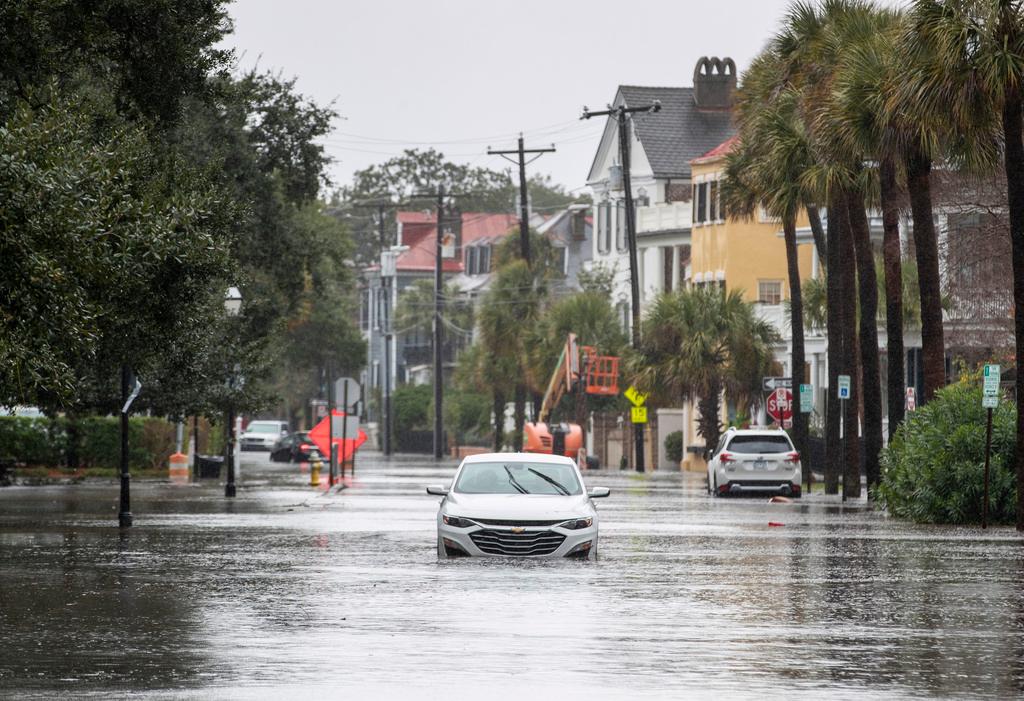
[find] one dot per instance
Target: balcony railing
(663, 217)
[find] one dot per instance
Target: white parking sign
(844, 386)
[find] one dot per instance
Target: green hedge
(92, 441)
(933, 469)
(674, 446)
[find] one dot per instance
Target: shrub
(674, 446)
(468, 416)
(33, 441)
(411, 404)
(933, 469)
(47, 442)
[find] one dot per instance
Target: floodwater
(287, 591)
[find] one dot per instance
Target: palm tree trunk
(847, 272)
(498, 407)
(1014, 164)
(892, 257)
(708, 425)
(818, 232)
(833, 448)
(871, 382)
(520, 417)
(933, 350)
(796, 326)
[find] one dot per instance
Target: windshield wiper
(514, 482)
(549, 480)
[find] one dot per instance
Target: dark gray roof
(679, 132)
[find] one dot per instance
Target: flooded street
(287, 591)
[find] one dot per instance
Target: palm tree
(969, 62)
(766, 168)
(809, 47)
(697, 344)
(509, 309)
(866, 78)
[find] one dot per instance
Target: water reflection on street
(287, 591)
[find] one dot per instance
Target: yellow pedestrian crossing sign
(638, 414)
(637, 398)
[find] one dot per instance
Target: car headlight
(577, 523)
(456, 522)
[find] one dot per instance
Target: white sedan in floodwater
(517, 504)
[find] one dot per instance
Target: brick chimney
(714, 83)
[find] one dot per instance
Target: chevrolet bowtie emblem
(518, 529)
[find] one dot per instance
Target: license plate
(760, 464)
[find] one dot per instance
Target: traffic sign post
(806, 399)
(989, 400)
(780, 405)
(635, 397)
(843, 382)
(770, 384)
(638, 416)
(843, 385)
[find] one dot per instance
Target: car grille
(505, 522)
(508, 543)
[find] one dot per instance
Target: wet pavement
(287, 591)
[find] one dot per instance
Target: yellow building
(737, 254)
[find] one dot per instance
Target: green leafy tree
(109, 254)
(149, 55)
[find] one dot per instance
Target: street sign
(911, 399)
(989, 402)
(136, 388)
(448, 245)
(806, 399)
(354, 434)
(780, 405)
(991, 379)
(844, 386)
(638, 414)
(770, 384)
(636, 397)
(355, 392)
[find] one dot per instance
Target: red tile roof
(419, 233)
(717, 152)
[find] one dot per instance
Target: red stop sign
(780, 405)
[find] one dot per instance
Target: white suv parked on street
(262, 435)
(754, 460)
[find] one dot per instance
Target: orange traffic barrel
(177, 468)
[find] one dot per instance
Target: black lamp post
(232, 305)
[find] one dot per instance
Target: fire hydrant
(314, 473)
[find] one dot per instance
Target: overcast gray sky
(461, 75)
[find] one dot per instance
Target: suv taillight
(793, 456)
(726, 458)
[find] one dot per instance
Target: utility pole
(438, 306)
(385, 285)
(524, 211)
(621, 113)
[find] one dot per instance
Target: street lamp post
(232, 306)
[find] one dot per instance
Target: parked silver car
(754, 460)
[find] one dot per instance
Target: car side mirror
(437, 490)
(599, 492)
